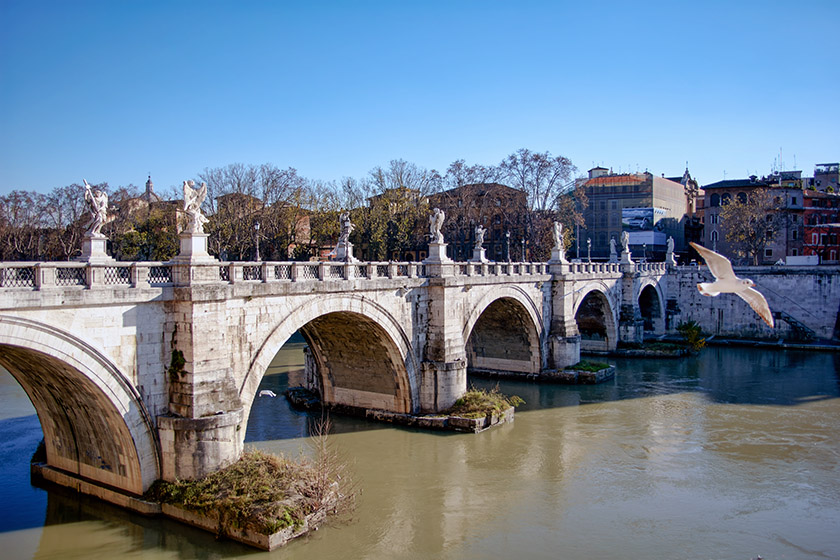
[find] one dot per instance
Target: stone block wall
(810, 296)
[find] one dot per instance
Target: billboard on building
(637, 219)
(643, 225)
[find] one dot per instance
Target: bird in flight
(727, 283)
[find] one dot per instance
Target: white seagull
(727, 283)
(267, 393)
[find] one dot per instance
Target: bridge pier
(563, 336)
(444, 366)
(203, 430)
(631, 325)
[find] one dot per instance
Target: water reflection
(729, 455)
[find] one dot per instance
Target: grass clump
(586, 365)
(266, 493)
(692, 335)
(477, 403)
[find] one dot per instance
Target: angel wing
(202, 193)
(719, 266)
(758, 303)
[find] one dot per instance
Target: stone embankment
(568, 376)
(805, 302)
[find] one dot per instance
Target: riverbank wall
(805, 302)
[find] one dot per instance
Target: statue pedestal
(93, 250)
(344, 252)
(479, 255)
(437, 254)
(558, 255)
(625, 257)
(193, 249)
(670, 260)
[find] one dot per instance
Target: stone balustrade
(44, 275)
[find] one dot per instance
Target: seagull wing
(719, 266)
(758, 303)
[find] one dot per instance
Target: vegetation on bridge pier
(263, 500)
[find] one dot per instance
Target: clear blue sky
(114, 90)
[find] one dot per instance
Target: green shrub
(586, 365)
(692, 335)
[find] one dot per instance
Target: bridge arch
(348, 336)
(504, 331)
(94, 421)
(596, 318)
(651, 306)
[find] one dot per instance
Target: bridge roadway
(141, 371)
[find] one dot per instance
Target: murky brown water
(730, 455)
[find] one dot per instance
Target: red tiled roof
(610, 180)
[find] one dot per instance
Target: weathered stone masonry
(148, 370)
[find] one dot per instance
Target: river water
(731, 454)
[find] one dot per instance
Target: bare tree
(751, 225)
(64, 212)
(402, 174)
(459, 174)
(542, 176)
(23, 227)
(241, 196)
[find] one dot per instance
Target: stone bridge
(142, 371)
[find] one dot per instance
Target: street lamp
(588, 249)
(507, 245)
(257, 236)
(644, 252)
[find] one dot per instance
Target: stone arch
(504, 332)
(651, 306)
(596, 319)
(94, 421)
(317, 320)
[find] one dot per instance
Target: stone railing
(651, 267)
(302, 271)
(42, 275)
(499, 268)
(595, 268)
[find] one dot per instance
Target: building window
(768, 253)
(794, 253)
(725, 199)
(714, 236)
(832, 255)
(714, 219)
(793, 200)
(794, 235)
(715, 200)
(742, 197)
(814, 239)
